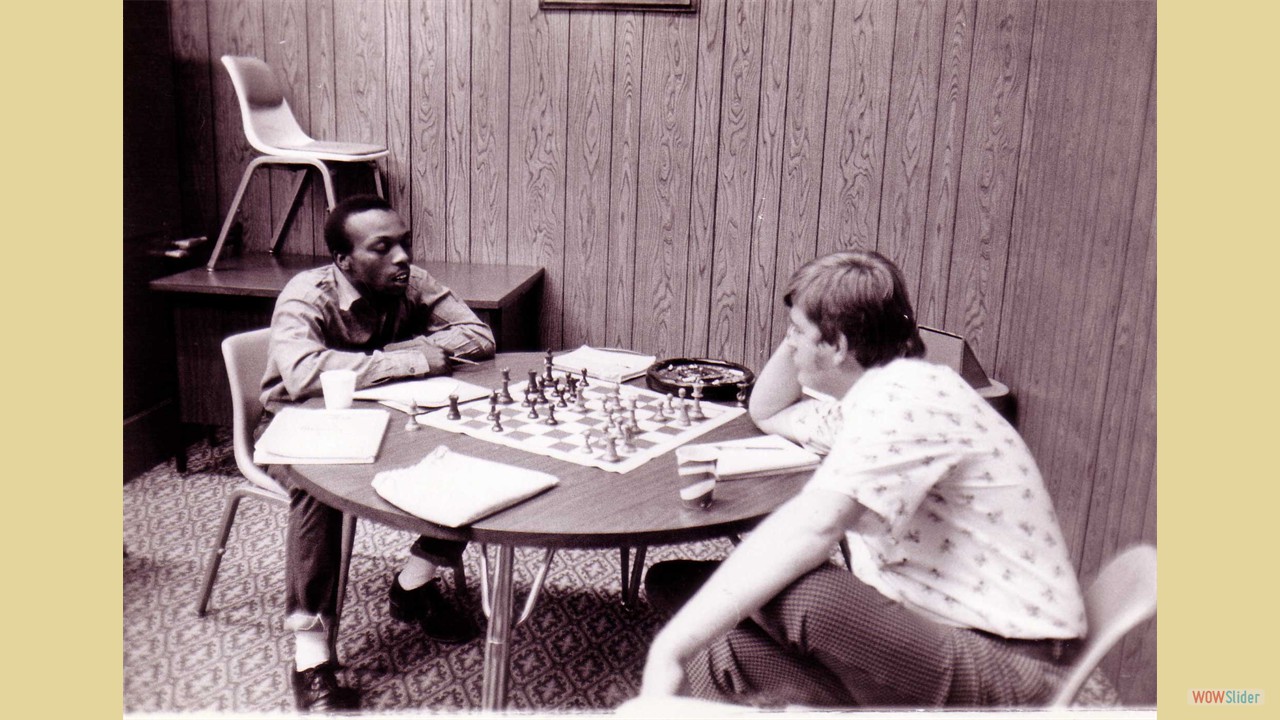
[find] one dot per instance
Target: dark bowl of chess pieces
(720, 380)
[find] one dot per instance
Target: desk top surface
(589, 508)
(487, 287)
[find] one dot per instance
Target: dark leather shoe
(427, 607)
(317, 690)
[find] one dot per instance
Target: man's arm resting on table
(778, 400)
(796, 538)
(455, 330)
(299, 351)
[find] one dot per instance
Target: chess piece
(505, 398)
(611, 449)
(549, 376)
(454, 412)
(696, 412)
(586, 442)
(742, 394)
(411, 424)
(658, 415)
(532, 385)
(579, 401)
(682, 413)
(497, 423)
(628, 446)
(551, 415)
(493, 406)
(560, 402)
(533, 408)
(528, 397)
(583, 382)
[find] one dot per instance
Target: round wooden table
(589, 508)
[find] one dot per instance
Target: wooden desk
(589, 508)
(240, 295)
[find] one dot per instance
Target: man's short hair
(335, 227)
(860, 294)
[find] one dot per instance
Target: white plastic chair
(246, 358)
(1122, 597)
(272, 129)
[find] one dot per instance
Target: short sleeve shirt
(960, 528)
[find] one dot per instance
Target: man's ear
(343, 261)
(840, 350)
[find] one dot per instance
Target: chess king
(372, 312)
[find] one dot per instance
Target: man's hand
(436, 360)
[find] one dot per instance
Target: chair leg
(231, 213)
(299, 186)
(327, 179)
(219, 548)
(631, 578)
(377, 179)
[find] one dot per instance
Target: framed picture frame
(681, 6)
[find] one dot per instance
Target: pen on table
(462, 360)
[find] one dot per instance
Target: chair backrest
(1119, 599)
(246, 357)
(269, 124)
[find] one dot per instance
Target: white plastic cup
(339, 386)
(698, 496)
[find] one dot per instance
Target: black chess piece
(548, 362)
(533, 408)
(583, 382)
(497, 423)
(493, 405)
(742, 394)
(454, 412)
(551, 415)
(505, 398)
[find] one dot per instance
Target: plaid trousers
(829, 640)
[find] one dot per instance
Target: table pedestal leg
(497, 649)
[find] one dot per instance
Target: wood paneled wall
(671, 171)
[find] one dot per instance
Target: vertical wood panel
(666, 136)
(490, 62)
(235, 28)
(993, 133)
(360, 81)
(770, 145)
(702, 210)
(428, 133)
(586, 243)
(458, 131)
(324, 113)
(858, 101)
(739, 121)
(1075, 211)
(620, 273)
(397, 165)
(197, 152)
(809, 63)
(913, 100)
(944, 174)
(285, 46)
(539, 90)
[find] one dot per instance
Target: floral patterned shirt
(960, 528)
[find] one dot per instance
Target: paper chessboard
(565, 440)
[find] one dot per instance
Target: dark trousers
(829, 640)
(313, 552)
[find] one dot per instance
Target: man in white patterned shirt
(962, 592)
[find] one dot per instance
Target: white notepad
(610, 365)
(305, 436)
(452, 489)
(432, 392)
(745, 458)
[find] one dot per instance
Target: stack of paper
(745, 458)
(432, 392)
(453, 489)
(611, 365)
(302, 436)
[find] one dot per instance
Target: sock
(310, 647)
(416, 573)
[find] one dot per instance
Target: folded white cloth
(453, 489)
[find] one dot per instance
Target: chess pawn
(497, 423)
(579, 401)
(560, 402)
(533, 408)
(411, 424)
(583, 382)
(493, 406)
(551, 415)
(586, 442)
(454, 412)
(658, 414)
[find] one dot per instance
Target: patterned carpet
(579, 651)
